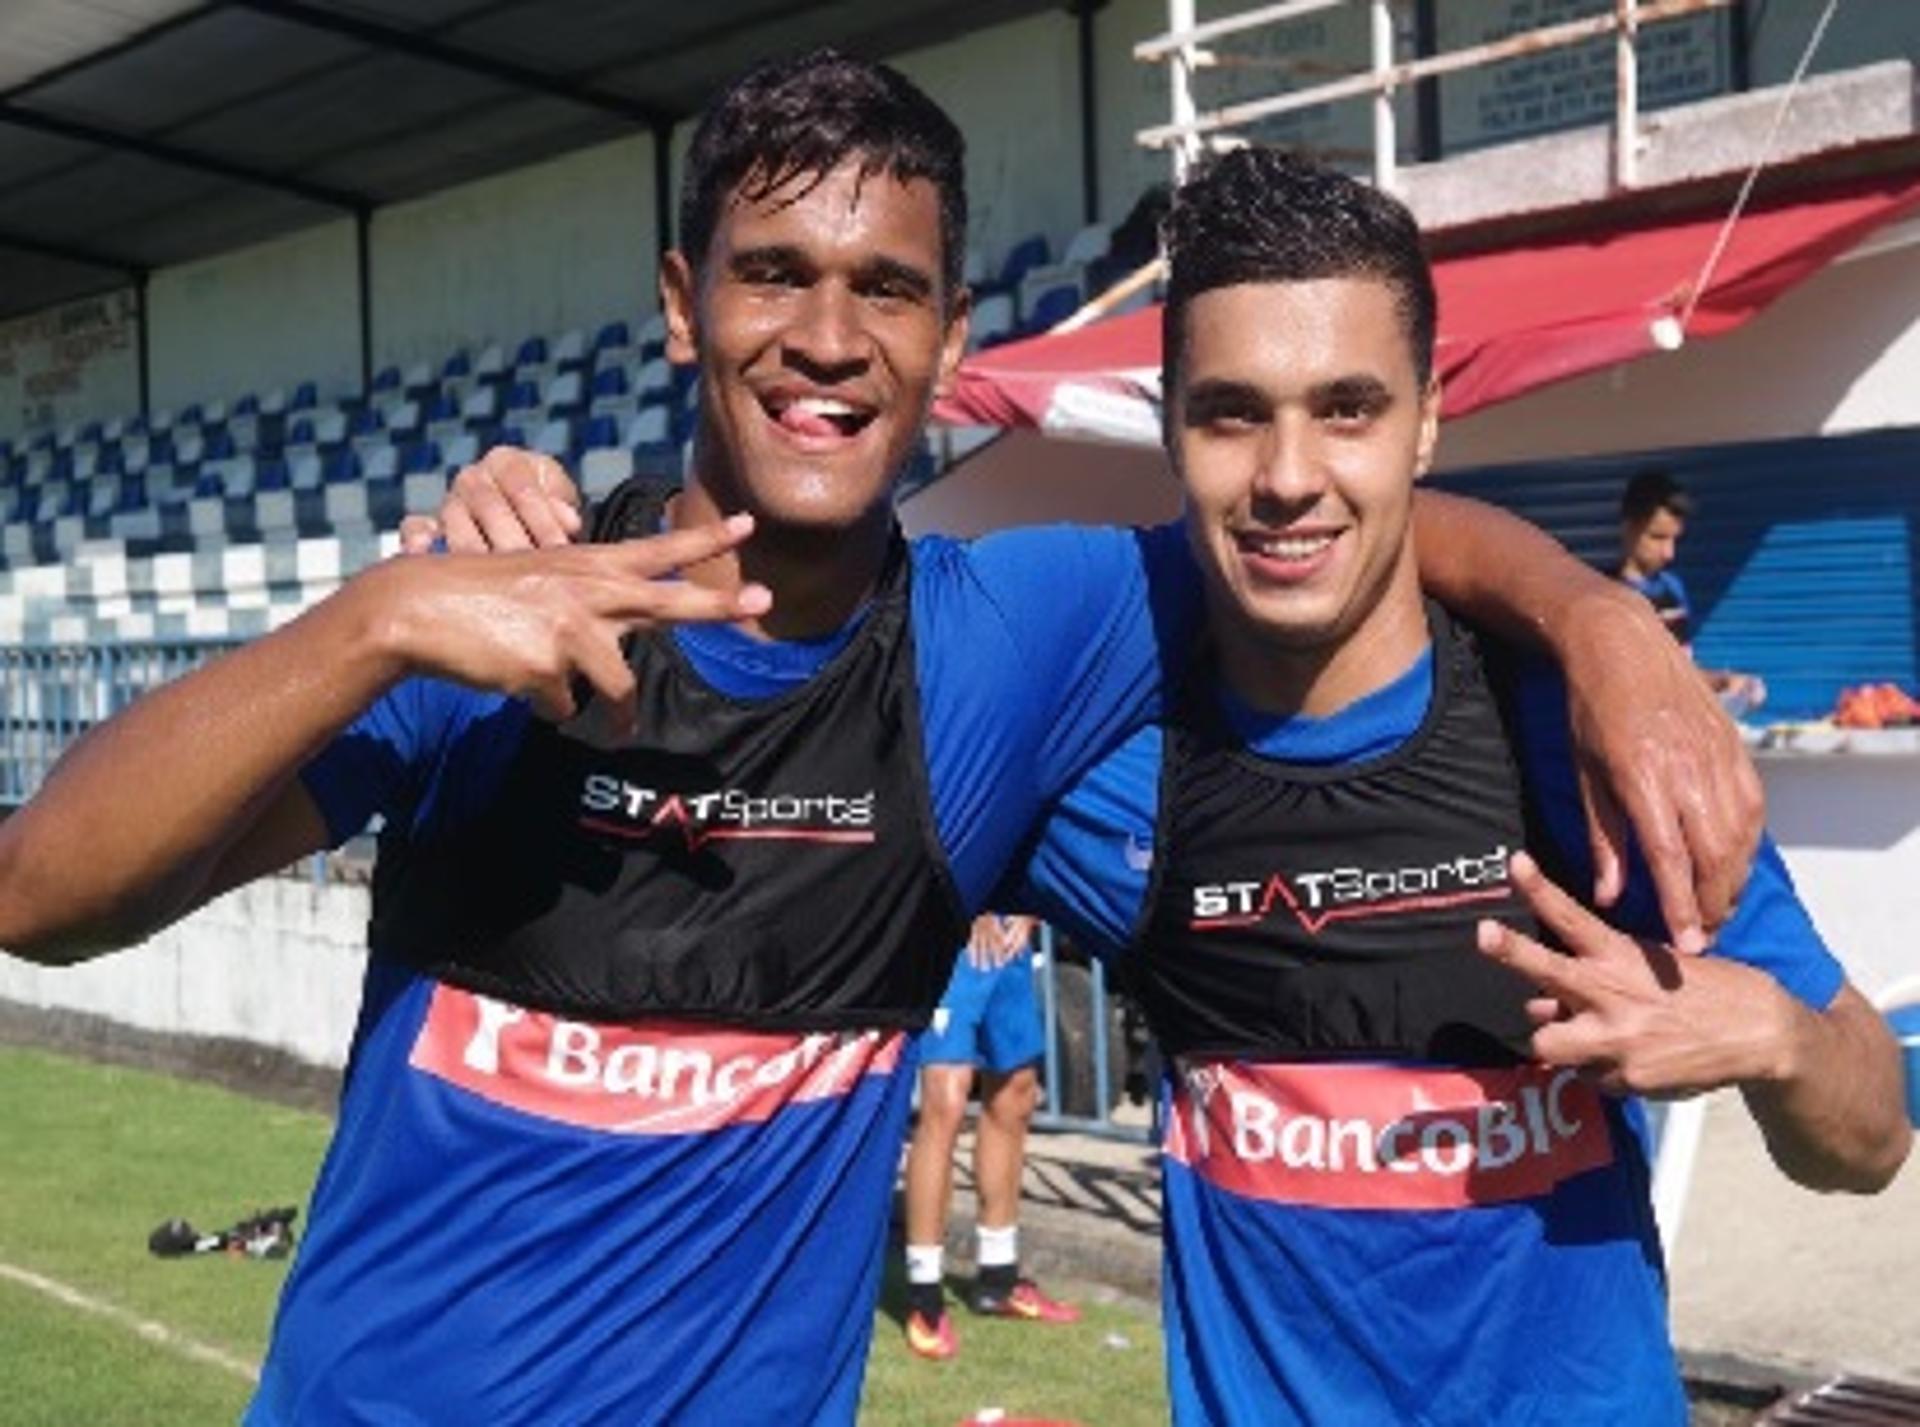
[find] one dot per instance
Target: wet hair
(803, 118)
(1266, 215)
(1652, 491)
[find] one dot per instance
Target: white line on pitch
(146, 1328)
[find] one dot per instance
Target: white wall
(566, 243)
(73, 363)
(1839, 353)
(268, 316)
(1014, 91)
(278, 963)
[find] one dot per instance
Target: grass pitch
(92, 1157)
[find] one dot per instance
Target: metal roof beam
(137, 40)
(425, 47)
(163, 152)
(69, 253)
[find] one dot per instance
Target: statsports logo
(1345, 893)
(615, 806)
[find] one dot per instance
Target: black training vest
(1312, 913)
(770, 863)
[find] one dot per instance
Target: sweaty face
(1651, 547)
(1299, 427)
(822, 328)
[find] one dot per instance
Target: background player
(989, 1020)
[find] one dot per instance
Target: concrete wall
(73, 363)
(1839, 353)
(268, 316)
(567, 243)
(278, 963)
(1014, 90)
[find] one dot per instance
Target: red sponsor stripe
(697, 838)
(640, 1077)
(1384, 1136)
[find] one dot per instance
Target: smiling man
(1393, 1190)
(624, 1106)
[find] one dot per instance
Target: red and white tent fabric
(1510, 321)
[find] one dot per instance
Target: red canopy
(1510, 321)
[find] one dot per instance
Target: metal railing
(1185, 49)
(51, 694)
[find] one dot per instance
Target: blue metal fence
(51, 694)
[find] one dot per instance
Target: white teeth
(1295, 548)
(823, 406)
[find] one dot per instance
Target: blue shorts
(986, 1018)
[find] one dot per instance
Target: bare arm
(1825, 1086)
(1654, 747)
(153, 811)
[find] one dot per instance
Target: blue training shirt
(526, 1219)
(1344, 1306)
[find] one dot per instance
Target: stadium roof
(139, 133)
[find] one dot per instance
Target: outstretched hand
(507, 500)
(532, 623)
(1631, 1014)
(1655, 749)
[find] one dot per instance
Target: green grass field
(92, 1157)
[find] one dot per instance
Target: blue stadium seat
(652, 338)
(363, 422)
(600, 431)
(219, 444)
(441, 407)
(458, 365)
(272, 475)
(609, 381)
(190, 416)
(387, 379)
(339, 466)
(531, 352)
(614, 334)
(133, 495)
(419, 457)
(63, 465)
(301, 432)
(248, 405)
(1029, 253)
(305, 397)
(523, 396)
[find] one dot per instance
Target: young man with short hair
(988, 1020)
(1401, 1184)
(621, 1118)
(1654, 510)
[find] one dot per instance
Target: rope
(1753, 174)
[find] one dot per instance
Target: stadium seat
(460, 451)
(305, 397)
(339, 466)
(419, 457)
(1029, 253)
(613, 334)
(491, 364)
(387, 379)
(522, 397)
(602, 468)
(212, 413)
(654, 379)
(649, 430)
(219, 444)
(382, 463)
(570, 349)
(531, 353)
(1051, 308)
(273, 403)
(417, 378)
(482, 404)
(458, 365)
(248, 405)
(188, 447)
(403, 419)
(993, 320)
(652, 336)
(565, 392)
(555, 439)
(280, 475)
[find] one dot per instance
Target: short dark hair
(1650, 491)
(1266, 215)
(803, 117)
